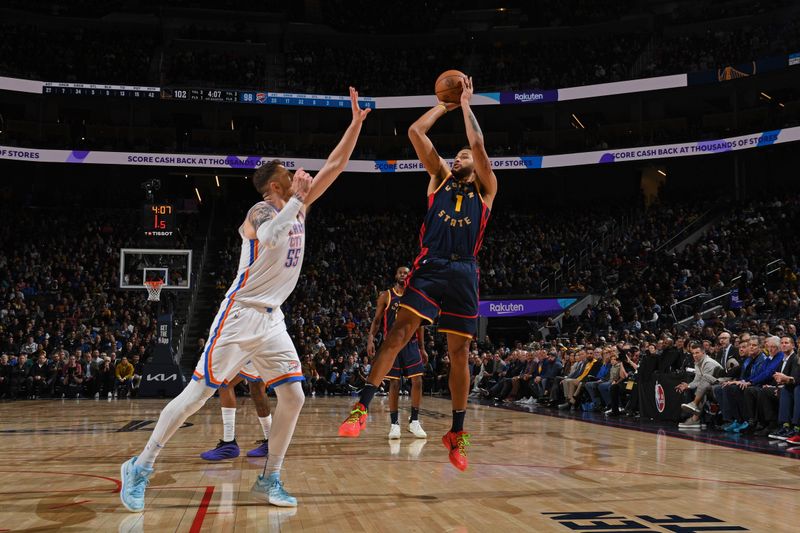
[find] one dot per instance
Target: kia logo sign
(661, 399)
(162, 377)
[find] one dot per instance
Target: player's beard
(462, 174)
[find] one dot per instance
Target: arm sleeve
(270, 231)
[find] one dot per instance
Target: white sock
(148, 457)
(266, 424)
(171, 418)
(273, 465)
(228, 423)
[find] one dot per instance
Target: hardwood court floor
(60, 466)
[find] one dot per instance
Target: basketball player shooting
(444, 281)
(249, 326)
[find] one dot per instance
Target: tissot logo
(503, 308)
(162, 377)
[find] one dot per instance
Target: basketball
(448, 86)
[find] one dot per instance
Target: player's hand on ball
(466, 90)
(301, 184)
(358, 114)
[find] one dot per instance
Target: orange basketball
(448, 86)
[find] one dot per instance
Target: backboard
(137, 265)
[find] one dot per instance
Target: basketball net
(154, 290)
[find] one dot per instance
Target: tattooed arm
(270, 225)
(483, 166)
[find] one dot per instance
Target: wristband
(443, 106)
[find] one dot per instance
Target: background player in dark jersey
(409, 363)
(444, 281)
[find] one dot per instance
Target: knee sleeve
(290, 396)
(188, 402)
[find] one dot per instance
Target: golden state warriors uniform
(444, 280)
(248, 336)
(408, 362)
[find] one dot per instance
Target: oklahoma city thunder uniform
(444, 280)
(408, 362)
(248, 335)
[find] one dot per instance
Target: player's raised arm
(375, 326)
(427, 154)
(340, 155)
(483, 166)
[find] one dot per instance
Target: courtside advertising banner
(512, 308)
(532, 162)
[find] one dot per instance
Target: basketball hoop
(154, 290)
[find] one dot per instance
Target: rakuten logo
(528, 97)
(502, 308)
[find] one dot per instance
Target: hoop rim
(153, 287)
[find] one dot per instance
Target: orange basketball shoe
(355, 422)
(457, 444)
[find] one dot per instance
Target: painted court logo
(661, 399)
(608, 521)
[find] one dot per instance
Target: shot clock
(158, 220)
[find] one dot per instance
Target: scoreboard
(83, 89)
(158, 220)
(194, 94)
(200, 95)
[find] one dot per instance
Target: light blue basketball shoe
(270, 490)
(134, 482)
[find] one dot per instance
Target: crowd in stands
(719, 48)
(75, 55)
(65, 328)
(65, 331)
(312, 66)
(592, 360)
(192, 67)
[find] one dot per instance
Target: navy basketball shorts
(445, 289)
(408, 362)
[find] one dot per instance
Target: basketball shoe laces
(140, 483)
(463, 441)
(355, 416)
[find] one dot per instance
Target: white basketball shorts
(249, 339)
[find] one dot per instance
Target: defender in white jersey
(249, 327)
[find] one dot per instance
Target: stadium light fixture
(765, 95)
(197, 192)
(662, 172)
(217, 180)
(580, 124)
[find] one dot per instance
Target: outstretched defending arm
(427, 154)
(483, 166)
(340, 155)
(271, 226)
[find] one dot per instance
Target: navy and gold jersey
(391, 310)
(455, 222)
